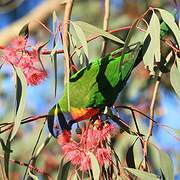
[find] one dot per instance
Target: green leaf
(129, 36)
(164, 28)
(7, 152)
(178, 62)
(54, 60)
(39, 54)
(20, 100)
(169, 19)
(122, 125)
(97, 31)
(32, 175)
(174, 79)
(95, 166)
(154, 31)
(3, 144)
(142, 174)
(24, 31)
(166, 166)
(130, 157)
(152, 43)
(81, 36)
(63, 170)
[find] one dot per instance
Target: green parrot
(94, 87)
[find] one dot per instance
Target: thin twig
(28, 165)
(38, 139)
(105, 24)
(67, 16)
(41, 148)
(151, 123)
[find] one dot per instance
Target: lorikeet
(93, 87)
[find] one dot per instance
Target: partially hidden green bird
(93, 87)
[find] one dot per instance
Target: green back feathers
(98, 84)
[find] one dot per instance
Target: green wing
(91, 89)
(98, 84)
(94, 87)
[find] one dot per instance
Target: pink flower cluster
(27, 60)
(90, 141)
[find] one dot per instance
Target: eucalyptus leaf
(39, 54)
(142, 174)
(63, 169)
(97, 31)
(24, 31)
(34, 177)
(169, 19)
(174, 79)
(130, 157)
(152, 43)
(154, 30)
(21, 87)
(166, 166)
(81, 37)
(54, 60)
(95, 166)
(7, 152)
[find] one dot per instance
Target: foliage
(105, 146)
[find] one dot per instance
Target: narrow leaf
(130, 157)
(20, 99)
(123, 125)
(7, 152)
(54, 60)
(174, 79)
(39, 54)
(3, 144)
(154, 30)
(152, 43)
(32, 175)
(24, 31)
(142, 174)
(97, 31)
(169, 19)
(129, 36)
(63, 170)
(164, 28)
(166, 166)
(82, 38)
(95, 166)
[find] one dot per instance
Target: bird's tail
(59, 121)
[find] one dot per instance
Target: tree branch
(106, 24)
(67, 16)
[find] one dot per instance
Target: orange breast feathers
(84, 113)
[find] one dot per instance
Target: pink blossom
(103, 155)
(26, 60)
(19, 42)
(11, 56)
(35, 76)
(64, 138)
(86, 163)
(90, 141)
